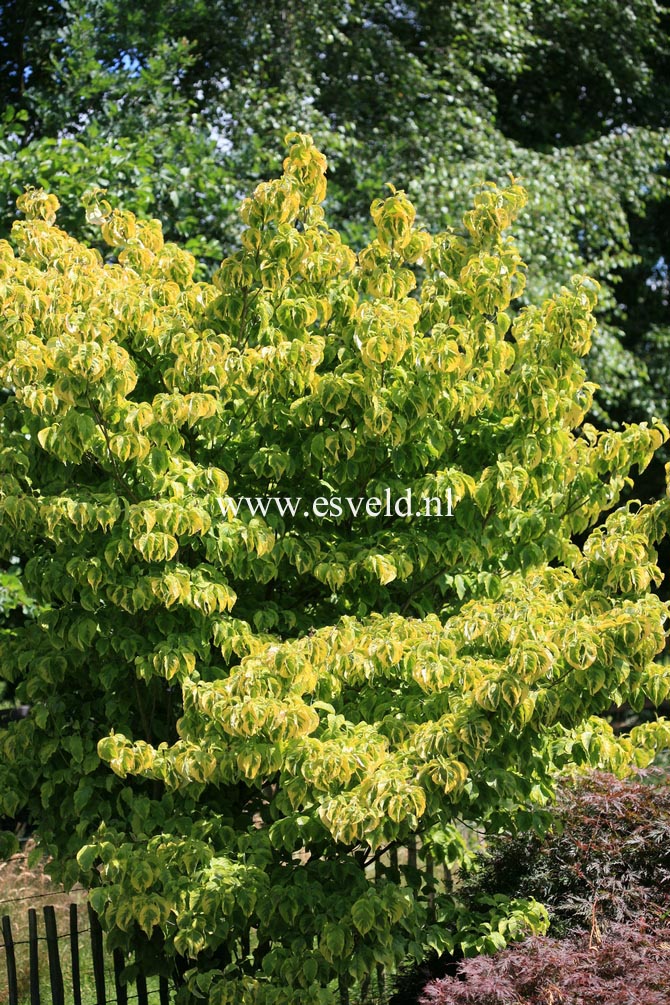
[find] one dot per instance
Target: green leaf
(363, 916)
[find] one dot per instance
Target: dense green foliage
(279, 699)
(177, 107)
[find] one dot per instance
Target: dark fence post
(55, 972)
(430, 886)
(381, 973)
(98, 957)
(163, 991)
(142, 996)
(12, 985)
(33, 952)
(121, 989)
(74, 954)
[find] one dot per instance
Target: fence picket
(429, 870)
(97, 952)
(55, 972)
(121, 989)
(12, 985)
(163, 991)
(33, 955)
(142, 996)
(74, 954)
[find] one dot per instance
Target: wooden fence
(107, 990)
(120, 994)
(110, 991)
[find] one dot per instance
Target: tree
(176, 108)
(335, 681)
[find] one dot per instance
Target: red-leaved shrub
(609, 851)
(629, 966)
(602, 867)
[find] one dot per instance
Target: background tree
(176, 108)
(261, 686)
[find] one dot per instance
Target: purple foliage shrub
(629, 965)
(609, 851)
(603, 872)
